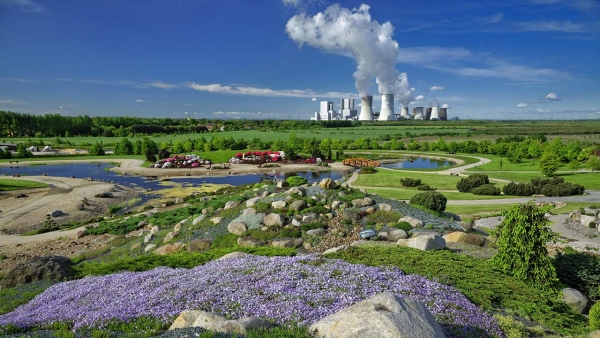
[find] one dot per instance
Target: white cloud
(420, 98)
(552, 97)
(522, 105)
(550, 26)
(11, 102)
(252, 91)
(436, 88)
(542, 111)
(495, 18)
(161, 85)
(314, 99)
(445, 105)
(292, 3)
(27, 6)
(140, 101)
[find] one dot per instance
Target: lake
(418, 163)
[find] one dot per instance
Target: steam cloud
(433, 102)
(353, 32)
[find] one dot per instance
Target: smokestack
(387, 108)
(435, 113)
(444, 114)
(366, 109)
(404, 112)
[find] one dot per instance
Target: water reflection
(418, 163)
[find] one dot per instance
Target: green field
(590, 180)
(402, 194)
(524, 165)
(391, 179)
(7, 184)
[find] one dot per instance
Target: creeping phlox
(285, 290)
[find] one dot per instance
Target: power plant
(348, 112)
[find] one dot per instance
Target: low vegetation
(431, 200)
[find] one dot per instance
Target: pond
(418, 163)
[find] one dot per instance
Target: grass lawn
(506, 165)
(590, 180)
(403, 194)
(16, 184)
(391, 179)
(571, 206)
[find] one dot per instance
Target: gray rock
(142, 224)
(327, 183)
(415, 223)
(287, 242)
(38, 269)
(155, 229)
(216, 220)
(424, 242)
(362, 202)
(385, 207)
(298, 205)
(336, 249)
(574, 299)
(277, 205)
(392, 234)
(381, 316)
(335, 205)
(81, 233)
(208, 320)
(231, 204)
(364, 243)
(177, 227)
(149, 247)
(198, 219)
(274, 220)
(56, 213)
(205, 211)
(247, 242)
(149, 237)
(242, 326)
(179, 200)
(282, 184)
(585, 220)
(169, 248)
(252, 201)
(349, 214)
(316, 232)
(169, 237)
(237, 228)
(235, 254)
(310, 217)
(461, 237)
(297, 190)
(185, 319)
(249, 211)
(466, 225)
(199, 245)
(296, 222)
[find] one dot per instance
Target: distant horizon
(277, 59)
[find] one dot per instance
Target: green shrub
(472, 181)
(116, 227)
(580, 271)
(410, 182)
(113, 209)
(381, 216)
(290, 232)
(403, 225)
(367, 170)
(351, 195)
(260, 235)
(312, 225)
(262, 207)
(486, 189)
(295, 181)
(594, 316)
(551, 187)
(225, 241)
(425, 187)
(430, 200)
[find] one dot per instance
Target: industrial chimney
(366, 109)
(404, 113)
(435, 113)
(387, 108)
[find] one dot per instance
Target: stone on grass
(574, 299)
(274, 220)
(149, 237)
(370, 210)
(381, 316)
(385, 207)
(461, 237)
(282, 184)
(362, 202)
(327, 183)
(336, 249)
(142, 224)
(185, 319)
(155, 229)
(216, 220)
(237, 228)
(278, 204)
(415, 223)
(169, 248)
(287, 242)
(198, 219)
(296, 222)
(335, 205)
(311, 217)
(351, 215)
(252, 201)
(297, 190)
(177, 227)
(150, 247)
(235, 254)
(316, 232)
(208, 320)
(247, 242)
(169, 237)
(249, 211)
(231, 204)
(243, 325)
(586, 220)
(199, 244)
(424, 242)
(298, 205)
(392, 234)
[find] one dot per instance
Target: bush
(96, 150)
(262, 207)
(403, 225)
(163, 153)
(430, 200)
(367, 170)
(425, 187)
(290, 232)
(595, 317)
(551, 187)
(150, 156)
(410, 182)
(580, 271)
(486, 189)
(295, 181)
(473, 181)
(518, 189)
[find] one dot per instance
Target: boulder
(278, 205)
(362, 202)
(370, 210)
(461, 237)
(327, 183)
(252, 201)
(350, 214)
(56, 213)
(155, 229)
(336, 249)
(198, 219)
(169, 237)
(424, 242)
(385, 207)
(235, 254)
(298, 205)
(231, 204)
(297, 190)
(381, 316)
(574, 299)
(242, 326)
(585, 220)
(316, 232)
(249, 211)
(81, 233)
(415, 223)
(208, 320)
(466, 225)
(335, 205)
(237, 228)
(282, 184)
(274, 220)
(38, 269)
(142, 224)
(185, 319)
(149, 237)
(287, 242)
(392, 234)
(296, 222)
(247, 242)
(310, 217)
(149, 247)
(199, 245)
(169, 248)
(177, 227)
(216, 220)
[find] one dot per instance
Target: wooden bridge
(360, 162)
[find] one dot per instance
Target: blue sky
(513, 59)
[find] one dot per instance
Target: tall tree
(549, 163)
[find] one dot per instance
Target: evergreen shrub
(431, 200)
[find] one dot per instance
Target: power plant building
(435, 113)
(418, 113)
(444, 114)
(387, 108)
(347, 112)
(366, 108)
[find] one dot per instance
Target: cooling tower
(404, 113)
(366, 109)
(387, 108)
(444, 114)
(427, 113)
(435, 113)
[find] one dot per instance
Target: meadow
(9, 184)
